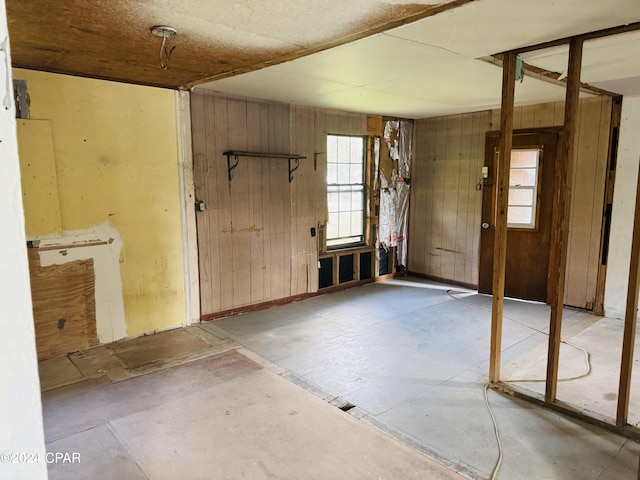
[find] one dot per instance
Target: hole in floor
(346, 406)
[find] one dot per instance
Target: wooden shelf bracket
(294, 160)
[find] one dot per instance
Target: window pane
(343, 173)
(345, 201)
(332, 202)
(332, 226)
(344, 148)
(332, 173)
(356, 223)
(521, 197)
(520, 216)
(332, 149)
(524, 158)
(357, 144)
(522, 177)
(523, 181)
(357, 200)
(356, 173)
(344, 224)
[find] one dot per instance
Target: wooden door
(531, 188)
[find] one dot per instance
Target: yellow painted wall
(116, 156)
(39, 179)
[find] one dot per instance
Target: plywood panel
(285, 139)
(543, 115)
(526, 116)
(588, 197)
(255, 205)
(437, 223)
(279, 270)
(223, 282)
(302, 218)
(450, 197)
(205, 179)
(465, 202)
(419, 176)
(267, 218)
(480, 125)
(606, 114)
(64, 308)
(432, 259)
(321, 167)
(241, 228)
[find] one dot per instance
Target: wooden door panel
(528, 250)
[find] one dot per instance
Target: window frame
(349, 187)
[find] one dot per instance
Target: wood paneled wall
(445, 205)
(254, 237)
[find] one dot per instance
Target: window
(523, 188)
(345, 190)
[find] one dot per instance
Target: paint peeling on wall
(103, 245)
(394, 187)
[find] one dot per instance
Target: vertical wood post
(630, 318)
(502, 196)
(564, 174)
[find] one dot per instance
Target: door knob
(485, 225)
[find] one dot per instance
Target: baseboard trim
(286, 300)
(470, 286)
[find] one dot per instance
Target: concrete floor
(224, 399)
(413, 359)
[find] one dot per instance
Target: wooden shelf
(289, 156)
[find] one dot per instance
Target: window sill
(345, 250)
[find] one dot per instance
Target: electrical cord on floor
(496, 468)
(587, 356)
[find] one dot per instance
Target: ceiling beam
(549, 76)
(631, 27)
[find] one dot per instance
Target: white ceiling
(432, 67)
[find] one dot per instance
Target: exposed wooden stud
(564, 171)
(630, 317)
(502, 192)
(570, 411)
